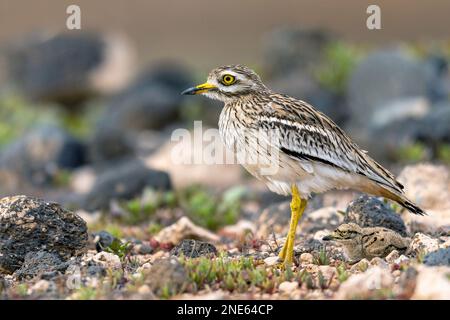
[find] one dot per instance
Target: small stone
(41, 286)
(193, 249)
(368, 211)
(306, 258)
(361, 266)
(327, 271)
(391, 257)
(108, 260)
(143, 248)
(377, 261)
(287, 287)
(271, 261)
(365, 285)
(440, 257)
(184, 229)
(421, 243)
(145, 289)
(240, 229)
(102, 240)
(401, 260)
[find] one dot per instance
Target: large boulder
(386, 87)
(38, 155)
(31, 225)
(380, 79)
(68, 68)
(151, 102)
(124, 180)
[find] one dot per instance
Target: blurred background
(86, 115)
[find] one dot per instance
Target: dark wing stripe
(304, 156)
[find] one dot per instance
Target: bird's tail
(401, 199)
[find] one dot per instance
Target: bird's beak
(201, 88)
(329, 237)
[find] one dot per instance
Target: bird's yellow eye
(228, 79)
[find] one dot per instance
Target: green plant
(342, 273)
(412, 153)
(322, 258)
(241, 274)
(86, 293)
(119, 248)
(443, 153)
(209, 210)
(335, 69)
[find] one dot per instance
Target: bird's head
(345, 232)
(229, 83)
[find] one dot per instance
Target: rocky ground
(48, 252)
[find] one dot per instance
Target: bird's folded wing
(314, 137)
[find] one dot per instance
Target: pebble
(271, 261)
(391, 257)
(401, 259)
(108, 260)
(421, 243)
(306, 258)
(288, 287)
(377, 261)
(360, 266)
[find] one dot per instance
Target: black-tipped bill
(328, 238)
(205, 87)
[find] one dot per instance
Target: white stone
(421, 243)
(108, 260)
(306, 258)
(364, 285)
(391, 257)
(183, 229)
(432, 283)
(288, 286)
(271, 261)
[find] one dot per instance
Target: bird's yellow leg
(298, 206)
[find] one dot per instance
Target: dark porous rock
(193, 249)
(32, 225)
(102, 240)
(124, 181)
(438, 257)
(368, 211)
(68, 68)
(38, 156)
(288, 49)
(96, 270)
(41, 263)
(166, 273)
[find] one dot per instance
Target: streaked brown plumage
(313, 154)
(368, 242)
